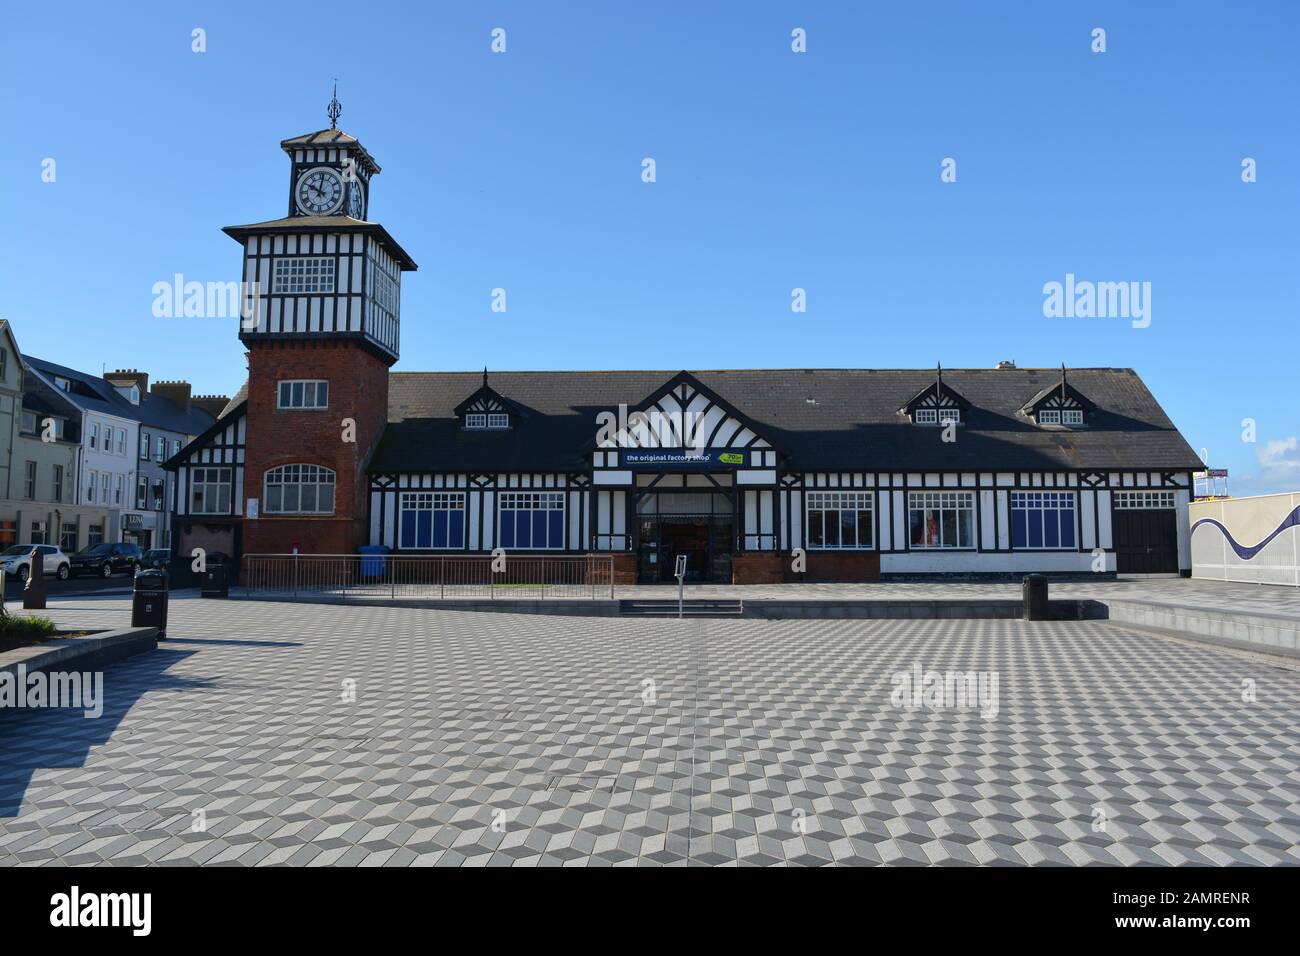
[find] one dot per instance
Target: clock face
(356, 203)
(320, 191)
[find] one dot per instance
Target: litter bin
(1034, 593)
(215, 582)
(149, 601)
(373, 560)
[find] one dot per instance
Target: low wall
(757, 567)
(1252, 540)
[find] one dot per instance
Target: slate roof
(852, 422)
(99, 396)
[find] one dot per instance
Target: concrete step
(693, 607)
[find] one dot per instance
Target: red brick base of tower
(358, 408)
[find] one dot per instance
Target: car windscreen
(97, 550)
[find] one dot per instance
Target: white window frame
(304, 275)
(1043, 501)
(144, 446)
(942, 500)
(93, 484)
(1131, 499)
(542, 500)
(448, 501)
(160, 448)
(121, 442)
(1072, 416)
(498, 420)
(925, 416)
(947, 415)
(839, 502)
(295, 390)
(210, 481)
(476, 420)
(1049, 416)
(94, 435)
(300, 475)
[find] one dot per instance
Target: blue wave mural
(1244, 552)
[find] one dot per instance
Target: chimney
(178, 393)
(124, 379)
(212, 404)
(1007, 363)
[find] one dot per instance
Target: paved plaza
(504, 739)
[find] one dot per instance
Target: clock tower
(322, 327)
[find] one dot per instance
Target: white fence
(1254, 540)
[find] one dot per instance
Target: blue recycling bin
(374, 561)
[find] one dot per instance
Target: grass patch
(18, 630)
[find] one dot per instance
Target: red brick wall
(358, 390)
(839, 566)
(757, 567)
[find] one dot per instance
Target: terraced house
(868, 472)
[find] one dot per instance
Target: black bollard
(34, 590)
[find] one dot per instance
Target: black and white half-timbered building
(869, 472)
(755, 475)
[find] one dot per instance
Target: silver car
(15, 560)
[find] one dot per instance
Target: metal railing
(429, 577)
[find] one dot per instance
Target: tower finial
(485, 376)
(335, 109)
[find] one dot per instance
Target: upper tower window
(303, 394)
(304, 276)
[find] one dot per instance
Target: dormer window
(949, 415)
(487, 420)
(1060, 416)
(925, 416)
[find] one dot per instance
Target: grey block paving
(504, 739)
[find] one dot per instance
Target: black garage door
(1146, 541)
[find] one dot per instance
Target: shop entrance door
(694, 524)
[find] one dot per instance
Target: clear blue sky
(775, 170)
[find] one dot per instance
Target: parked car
(15, 560)
(108, 559)
(157, 557)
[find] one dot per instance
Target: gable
(681, 414)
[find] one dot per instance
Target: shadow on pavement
(45, 738)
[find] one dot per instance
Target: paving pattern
(502, 739)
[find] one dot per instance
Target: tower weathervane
(335, 108)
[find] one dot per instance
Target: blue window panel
(539, 529)
(507, 529)
(1052, 528)
(456, 529)
(1035, 519)
(1067, 529)
(423, 536)
(1019, 536)
(408, 529)
(523, 529)
(556, 521)
(440, 529)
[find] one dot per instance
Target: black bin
(149, 601)
(1034, 593)
(215, 581)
